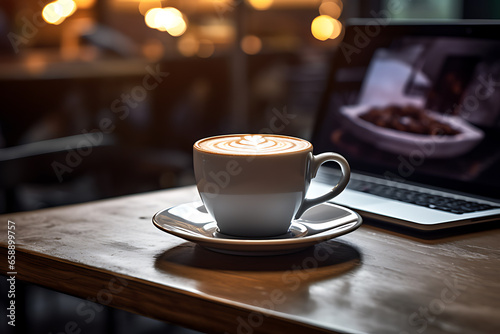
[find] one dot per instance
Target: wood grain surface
(369, 281)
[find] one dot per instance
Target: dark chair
(73, 169)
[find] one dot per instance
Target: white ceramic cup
(255, 185)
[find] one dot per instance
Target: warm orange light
(35, 63)
(337, 29)
(179, 28)
(55, 12)
(217, 32)
(150, 17)
(251, 44)
(52, 13)
(222, 5)
(322, 27)
(146, 5)
(173, 11)
(167, 19)
(188, 46)
(260, 4)
(153, 50)
(85, 4)
(331, 8)
(67, 7)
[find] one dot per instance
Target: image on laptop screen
(417, 103)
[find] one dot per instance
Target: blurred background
(102, 98)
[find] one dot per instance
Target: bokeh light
(322, 27)
(146, 5)
(188, 45)
(35, 63)
(178, 29)
(57, 11)
(67, 7)
(51, 13)
(326, 27)
(150, 17)
(251, 44)
(260, 4)
(85, 4)
(331, 8)
(337, 29)
(167, 19)
(153, 50)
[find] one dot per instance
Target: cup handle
(316, 162)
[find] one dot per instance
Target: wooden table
(371, 280)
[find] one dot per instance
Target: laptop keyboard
(431, 201)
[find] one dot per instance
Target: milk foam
(252, 144)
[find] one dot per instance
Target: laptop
(415, 109)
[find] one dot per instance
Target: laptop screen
(419, 103)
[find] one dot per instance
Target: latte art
(252, 144)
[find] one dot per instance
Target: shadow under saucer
(251, 279)
(333, 254)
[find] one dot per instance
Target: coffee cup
(255, 185)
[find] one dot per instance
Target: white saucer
(191, 221)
